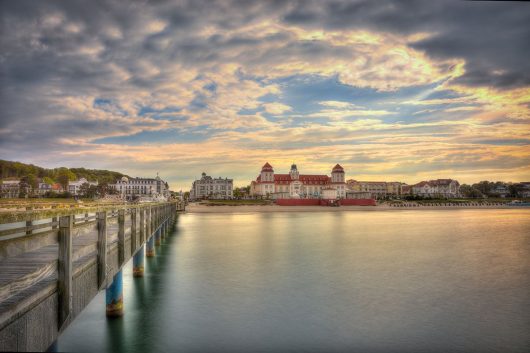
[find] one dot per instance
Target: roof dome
(267, 168)
(124, 179)
(338, 168)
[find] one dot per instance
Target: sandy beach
(198, 208)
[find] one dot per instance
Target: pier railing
(53, 264)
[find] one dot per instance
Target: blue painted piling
(114, 296)
(138, 263)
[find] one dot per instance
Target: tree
(64, 176)
(48, 180)
(88, 191)
(484, 187)
(32, 181)
(470, 191)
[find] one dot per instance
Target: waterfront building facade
(437, 188)
(43, 188)
(132, 188)
(74, 186)
(377, 189)
(212, 188)
(524, 189)
(10, 188)
(296, 185)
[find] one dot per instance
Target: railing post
(133, 231)
(142, 225)
(102, 248)
(121, 237)
(65, 269)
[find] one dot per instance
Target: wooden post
(28, 223)
(142, 225)
(65, 269)
(149, 222)
(133, 230)
(121, 237)
(102, 248)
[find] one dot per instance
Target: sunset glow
(396, 93)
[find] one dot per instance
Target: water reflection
(452, 280)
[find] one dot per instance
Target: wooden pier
(51, 268)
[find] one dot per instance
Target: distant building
(377, 189)
(296, 185)
(43, 188)
(10, 188)
(131, 188)
(358, 195)
(437, 188)
(74, 186)
(524, 189)
(406, 190)
(212, 188)
(57, 187)
(501, 190)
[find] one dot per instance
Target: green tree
(48, 180)
(470, 191)
(64, 175)
(32, 181)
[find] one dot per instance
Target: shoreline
(194, 208)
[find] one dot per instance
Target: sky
(392, 90)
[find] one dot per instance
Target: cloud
(276, 108)
(229, 84)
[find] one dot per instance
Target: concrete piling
(138, 263)
(114, 296)
(150, 251)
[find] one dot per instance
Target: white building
(296, 185)
(132, 188)
(212, 188)
(74, 186)
(10, 188)
(437, 188)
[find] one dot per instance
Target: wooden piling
(134, 237)
(102, 248)
(142, 225)
(65, 269)
(121, 237)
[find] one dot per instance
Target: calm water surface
(399, 281)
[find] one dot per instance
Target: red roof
(266, 167)
(338, 168)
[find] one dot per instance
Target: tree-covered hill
(9, 169)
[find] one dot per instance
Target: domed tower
(294, 172)
(267, 173)
(337, 174)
